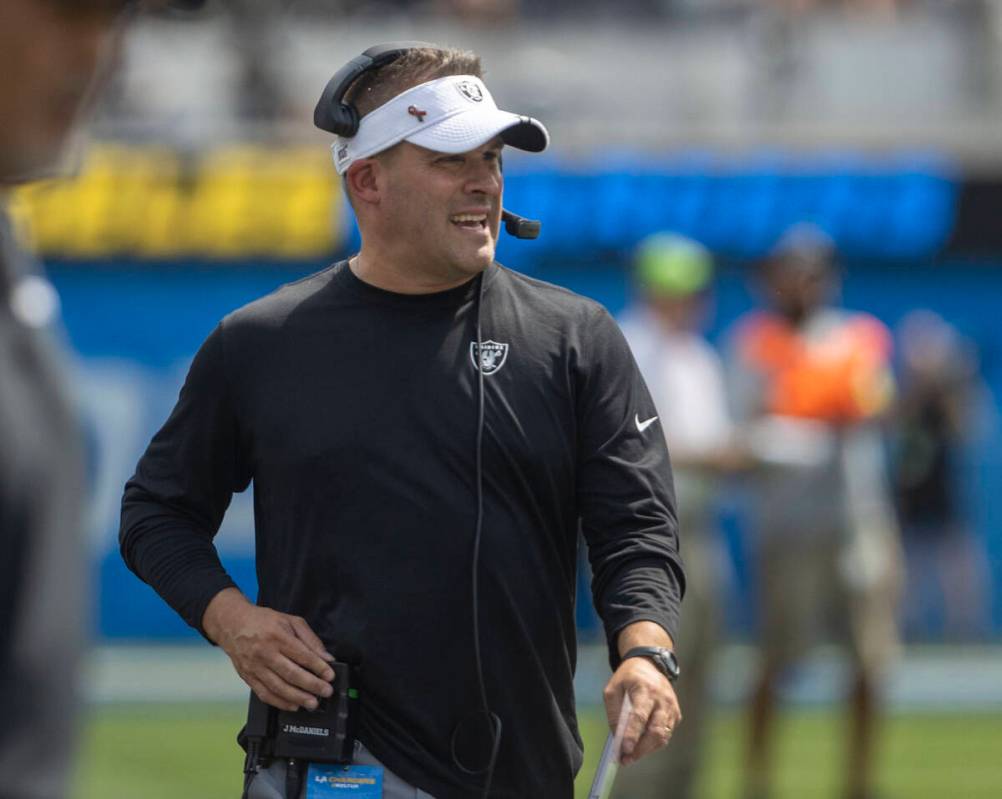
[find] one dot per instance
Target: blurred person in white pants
(673, 276)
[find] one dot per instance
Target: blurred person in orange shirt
(52, 56)
(810, 383)
(685, 375)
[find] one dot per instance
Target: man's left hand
(655, 713)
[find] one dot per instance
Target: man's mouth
(469, 221)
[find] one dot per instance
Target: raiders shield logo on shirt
(492, 356)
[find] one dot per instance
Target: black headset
(336, 116)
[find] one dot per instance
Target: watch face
(669, 664)
(662, 657)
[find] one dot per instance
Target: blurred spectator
(781, 47)
(257, 27)
(940, 392)
(49, 56)
(52, 55)
(887, 7)
(686, 379)
(810, 382)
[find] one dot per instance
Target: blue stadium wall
(135, 326)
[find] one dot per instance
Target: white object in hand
(608, 765)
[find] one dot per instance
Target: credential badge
(470, 90)
(492, 356)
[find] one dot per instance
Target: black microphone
(519, 226)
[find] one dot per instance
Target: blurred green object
(920, 756)
(667, 264)
(171, 751)
(162, 751)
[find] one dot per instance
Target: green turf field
(172, 751)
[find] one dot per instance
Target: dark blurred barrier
(978, 208)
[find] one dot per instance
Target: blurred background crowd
(708, 72)
(791, 205)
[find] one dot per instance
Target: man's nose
(485, 178)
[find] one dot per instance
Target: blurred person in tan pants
(810, 383)
(52, 54)
(674, 275)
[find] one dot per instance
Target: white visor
(449, 115)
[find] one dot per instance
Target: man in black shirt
(352, 400)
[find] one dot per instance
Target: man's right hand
(277, 655)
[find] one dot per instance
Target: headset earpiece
(338, 117)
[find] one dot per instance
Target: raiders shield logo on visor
(470, 91)
(492, 356)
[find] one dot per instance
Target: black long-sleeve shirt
(354, 412)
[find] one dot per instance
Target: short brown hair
(414, 67)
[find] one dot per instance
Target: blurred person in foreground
(673, 276)
(351, 399)
(52, 56)
(810, 383)
(939, 411)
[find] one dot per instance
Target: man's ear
(363, 179)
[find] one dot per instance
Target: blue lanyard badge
(333, 781)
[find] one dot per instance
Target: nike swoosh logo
(641, 426)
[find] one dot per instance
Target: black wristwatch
(660, 656)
